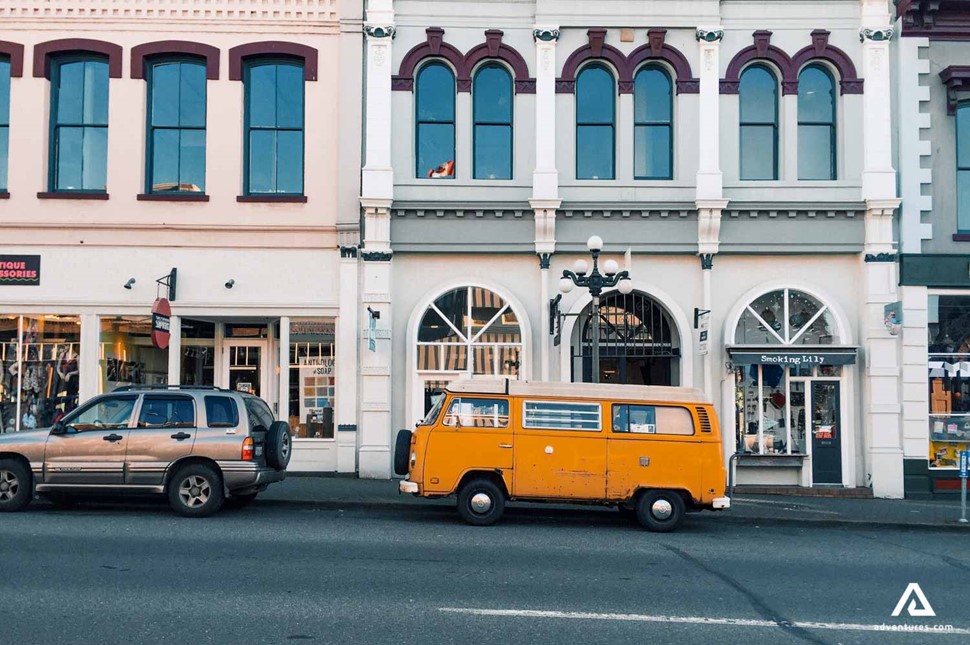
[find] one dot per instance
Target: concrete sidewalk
(344, 492)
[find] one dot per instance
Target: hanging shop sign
(793, 356)
(702, 323)
(20, 270)
(161, 323)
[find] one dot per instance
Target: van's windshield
(429, 419)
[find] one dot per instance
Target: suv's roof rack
(163, 386)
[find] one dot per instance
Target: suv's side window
(221, 412)
(259, 414)
(167, 412)
(107, 413)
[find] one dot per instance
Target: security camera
(230, 283)
(130, 282)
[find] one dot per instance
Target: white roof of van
(645, 393)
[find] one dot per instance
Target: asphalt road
(278, 574)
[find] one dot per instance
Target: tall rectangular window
(79, 125)
(963, 166)
(595, 121)
(492, 105)
(176, 127)
(758, 94)
(4, 120)
(274, 128)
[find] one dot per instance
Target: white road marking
(701, 620)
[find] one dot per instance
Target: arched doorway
(464, 332)
(639, 342)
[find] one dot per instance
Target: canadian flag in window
(447, 169)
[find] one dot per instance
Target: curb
(573, 512)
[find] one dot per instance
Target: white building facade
(742, 152)
(207, 153)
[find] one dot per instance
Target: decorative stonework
(876, 35)
(348, 251)
(957, 79)
(710, 35)
(302, 11)
(376, 256)
(545, 259)
(380, 31)
(934, 19)
(545, 35)
(707, 261)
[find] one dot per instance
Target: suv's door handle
(112, 437)
(505, 445)
(182, 435)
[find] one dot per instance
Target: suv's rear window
(259, 414)
(221, 412)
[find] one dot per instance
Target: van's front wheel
(660, 510)
(481, 502)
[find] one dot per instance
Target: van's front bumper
(408, 487)
(721, 503)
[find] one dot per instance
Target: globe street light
(596, 282)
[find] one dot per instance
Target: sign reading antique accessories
(161, 323)
(20, 270)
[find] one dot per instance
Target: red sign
(161, 323)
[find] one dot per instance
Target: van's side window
(562, 416)
(478, 413)
(650, 419)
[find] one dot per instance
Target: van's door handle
(112, 437)
(505, 445)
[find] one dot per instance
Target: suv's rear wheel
(279, 445)
(16, 485)
(196, 491)
(660, 510)
(481, 502)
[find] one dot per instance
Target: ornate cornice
(376, 256)
(881, 257)
(957, 79)
(710, 35)
(876, 35)
(545, 35)
(348, 251)
(380, 31)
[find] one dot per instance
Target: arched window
(595, 120)
(470, 330)
(176, 126)
(79, 124)
(638, 342)
(492, 95)
(274, 126)
(652, 125)
(786, 317)
(4, 119)
(759, 123)
(816, 124)
(963, 166)
(435, 122)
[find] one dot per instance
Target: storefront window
(127, 354)
(949, 379)
(198, 352)
(39, 373)
(786, 317)
(313, 380)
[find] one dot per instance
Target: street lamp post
(596, 282)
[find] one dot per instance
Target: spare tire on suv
(279, 445)
(402, 448)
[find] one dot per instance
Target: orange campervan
(652, 451)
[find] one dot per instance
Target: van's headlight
(414, 458)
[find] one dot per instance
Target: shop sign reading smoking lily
(20, 270)
(793, 358)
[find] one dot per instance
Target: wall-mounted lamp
(230, 283)
(130, 282)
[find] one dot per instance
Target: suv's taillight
(248, 449)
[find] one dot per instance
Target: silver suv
(200, 446)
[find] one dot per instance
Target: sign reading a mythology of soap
(20, 270)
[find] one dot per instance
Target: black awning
(794, 356)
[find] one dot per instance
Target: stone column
(175, 351)
(346, 360)
(881, 385)
(545, 179)
(283, 378)
(89, 369)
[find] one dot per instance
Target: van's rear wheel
(660, 510)
(481, 502)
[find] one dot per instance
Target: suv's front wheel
(16, 487)
(196, 491)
